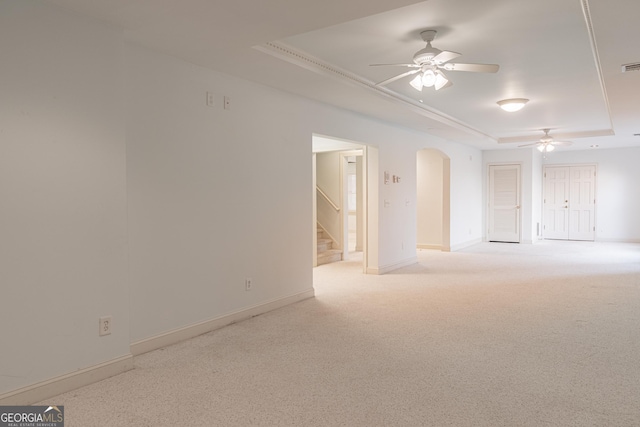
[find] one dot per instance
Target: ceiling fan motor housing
(425, 55)
(429, 52)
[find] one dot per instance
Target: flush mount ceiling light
(513, 104)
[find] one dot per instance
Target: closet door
(582, 203)
(504, 203)
(569, 202)
(556, 203)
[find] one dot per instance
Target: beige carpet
(495, 335)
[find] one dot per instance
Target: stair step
(324, 245)
(332, 255)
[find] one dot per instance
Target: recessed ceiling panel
(543, 49)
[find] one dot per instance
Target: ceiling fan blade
(476, 68)
(446, 85)
(445, 56)
(530, 145)
(395, 65)
(565, 143)
(398, 77)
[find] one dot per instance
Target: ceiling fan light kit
(441, 80)
(416, 82)
(429, 78)
(513, 104)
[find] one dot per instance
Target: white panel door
(582, 203)
(569, 202)
(556, 203)
(504, 203)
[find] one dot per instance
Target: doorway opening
(340, 199)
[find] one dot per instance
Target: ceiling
(565, 56)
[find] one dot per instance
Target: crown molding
(556, 136)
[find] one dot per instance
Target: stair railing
(323, 194)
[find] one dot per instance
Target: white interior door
(582, 203)
(569, 202)
(504, 203)
(556, 203)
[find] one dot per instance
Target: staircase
(326, 253)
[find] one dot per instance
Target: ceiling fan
(429, 63)
(546, 143)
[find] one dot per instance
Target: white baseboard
(609, 240)
(64, 383)
(190, 331)
(390, 267)
(428, 246)
(465, 244)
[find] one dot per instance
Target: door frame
(369, 196)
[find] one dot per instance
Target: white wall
(617, 209)
(466, 194)
(199, 197)
(397, 154)
(397, 205)
(62, 194)
(215, 195)
(617, 206)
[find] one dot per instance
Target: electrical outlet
(105, 325)
(248, 284)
